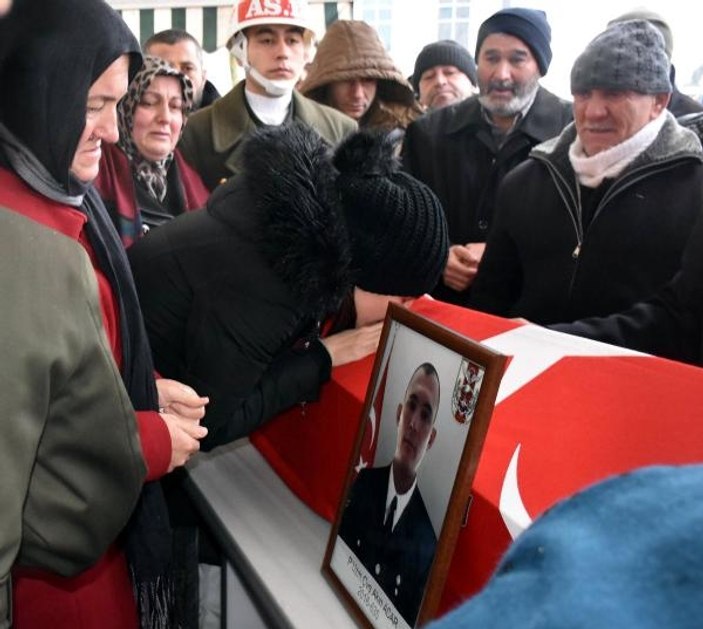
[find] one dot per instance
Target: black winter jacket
(668, 324)
(454, 152)
(540, 263)
(232, 295)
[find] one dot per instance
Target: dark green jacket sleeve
(70, 459)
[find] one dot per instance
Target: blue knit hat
(528, 25)
(625, 553)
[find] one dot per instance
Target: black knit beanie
(444, 53)
(396, 224)
(528, 25)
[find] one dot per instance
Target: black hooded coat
(233, 295)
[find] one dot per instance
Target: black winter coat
(454, 152)
(232, 295)
(681, 104)
(542, 264)
(668, 324)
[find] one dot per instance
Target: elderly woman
(61, 83)
(235, 296)
(143, 180)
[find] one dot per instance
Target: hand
(462, 265)
(185, 435)
(179, 399)
(350, 345)
(521, 320)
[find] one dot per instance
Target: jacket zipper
(576, 216)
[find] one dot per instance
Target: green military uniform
(213, 139)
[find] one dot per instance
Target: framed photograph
(408, 487)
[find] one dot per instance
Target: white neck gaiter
(271, 110)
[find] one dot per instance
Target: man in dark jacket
(668, 324)
(597, 218)
(463, 151)
(385, 521)
(272, 44)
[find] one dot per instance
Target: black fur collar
(289, 174)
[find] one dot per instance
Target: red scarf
(116, 186)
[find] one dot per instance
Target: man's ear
(432, 437)
(662, 101)
(397, 416)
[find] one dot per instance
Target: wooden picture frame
(394, 577)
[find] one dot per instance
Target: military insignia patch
(466, 389)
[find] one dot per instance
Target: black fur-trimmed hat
(396, 224)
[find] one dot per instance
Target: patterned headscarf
(151, 174)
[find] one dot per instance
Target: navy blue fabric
(528, 25)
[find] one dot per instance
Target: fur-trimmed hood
(289, 183)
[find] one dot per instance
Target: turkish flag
(569, 412)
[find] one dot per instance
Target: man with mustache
(184, 52)
(385, 522)
(598, 217)
(271, 41)
(463, 152)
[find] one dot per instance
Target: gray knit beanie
(444, 53)
(626, 56)
(653, 18)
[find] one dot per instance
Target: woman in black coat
(235, 297)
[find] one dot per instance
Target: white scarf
(271, 110)
(590, 171)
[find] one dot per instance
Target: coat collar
(672, 142)
(286, 190)
(537, 124)
(61, 218)
(231, 122)
(230, 119)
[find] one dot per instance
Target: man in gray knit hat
(598, 217)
